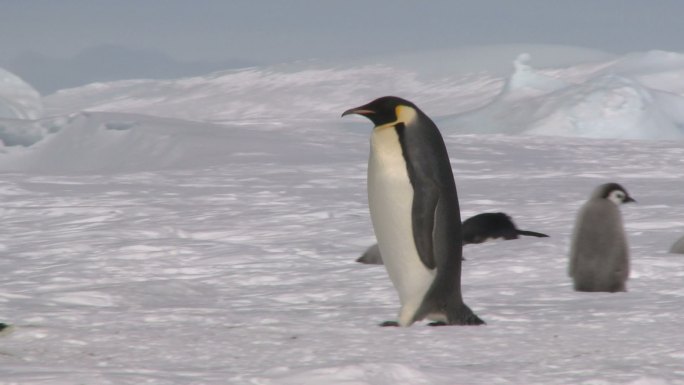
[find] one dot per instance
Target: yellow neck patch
(405, 114)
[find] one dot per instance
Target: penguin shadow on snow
(476, 229)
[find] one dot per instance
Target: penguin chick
(599, 254)
(415, 213)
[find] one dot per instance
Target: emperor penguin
(599, 254)
(486, 226)
(415, 213)
(476, 229)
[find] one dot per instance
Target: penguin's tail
(446, 309)
(531, 234)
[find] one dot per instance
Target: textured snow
(204, 231)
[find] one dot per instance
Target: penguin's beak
(363, 110)
(629, 199)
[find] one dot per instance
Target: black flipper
(423, 221)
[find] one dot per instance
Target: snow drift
(116, 142)
(609, 103)
(18, 100)
(636, 96)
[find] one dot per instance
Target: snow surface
(204, 230)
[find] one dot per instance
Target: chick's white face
(617, 196)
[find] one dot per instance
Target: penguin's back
(485, 226)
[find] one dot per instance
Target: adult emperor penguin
(599, 254)
(415, 213)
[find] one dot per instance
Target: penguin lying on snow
(415, 213)
(599, 254)
(483, 227)
(477, 229)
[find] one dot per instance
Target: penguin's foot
(389, 323)
(462, 315)
(473, 320)
(437, 323)
(466, 317)
(451, 311)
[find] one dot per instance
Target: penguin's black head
(614, 192)
(386, 110)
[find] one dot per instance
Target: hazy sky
(281, 30)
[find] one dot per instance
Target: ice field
(204, 230)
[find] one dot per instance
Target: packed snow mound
(18, 100)
(637, 96)
(609, 106)
(611, 102)
(25, 133)
(442, 81)
(88, 142)
(158, 124)
(525, 81)
(279, 93)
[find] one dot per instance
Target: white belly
(390, 197)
